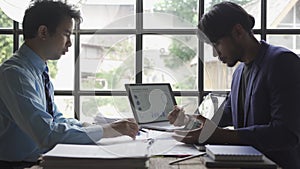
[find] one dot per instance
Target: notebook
(151, 103)
(265, 163)
(233, 153)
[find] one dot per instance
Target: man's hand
(86, 124)
(209, 133)
(190, 136)
(121, 127)
(187, 136)
(177, 116)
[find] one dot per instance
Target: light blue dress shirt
(26, 128)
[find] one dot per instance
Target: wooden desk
(163, 163)
(195, 163)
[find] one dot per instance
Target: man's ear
(42, 32)
(238, 31)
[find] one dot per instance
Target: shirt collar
(33, 58)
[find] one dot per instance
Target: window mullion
(139, 41)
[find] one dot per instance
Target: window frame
(263, 31)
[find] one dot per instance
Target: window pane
(164, 14)
(21, 40)
(65, 105)
(253, 7)
(62, 70)
(291, 42)
(5, 21)
(106, 61)
(95, 107)
(170, 59)
(283, 14)
(191, 102)
(258, 37)
(108, 14)
(6, 46)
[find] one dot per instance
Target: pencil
(186, 158)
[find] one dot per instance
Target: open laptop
(151, 103)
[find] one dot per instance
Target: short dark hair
(219, 21)
(48, 13)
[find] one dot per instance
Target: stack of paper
(93, 156)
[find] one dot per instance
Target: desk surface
(195, 163)
(159, 163)
(163, 163)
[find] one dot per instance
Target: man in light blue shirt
(28, 125)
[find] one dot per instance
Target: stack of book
(230, 156)
(64, 156)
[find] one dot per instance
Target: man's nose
(69, 43)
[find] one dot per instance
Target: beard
(235, 59)
(237, 53)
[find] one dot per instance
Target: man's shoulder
(13, 63)
(276, 55)
(15, 66)
(275, 50)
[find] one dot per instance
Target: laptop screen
(150, 102)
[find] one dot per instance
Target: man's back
(19, 74)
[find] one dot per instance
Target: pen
(142, 130)
(185, 105)
(186, 158)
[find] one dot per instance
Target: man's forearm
(224, 136)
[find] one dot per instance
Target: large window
(146, 41)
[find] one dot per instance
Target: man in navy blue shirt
(263, 104)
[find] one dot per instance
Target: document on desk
(161, 143)
(117, 152)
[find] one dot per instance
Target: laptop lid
(150, 102)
